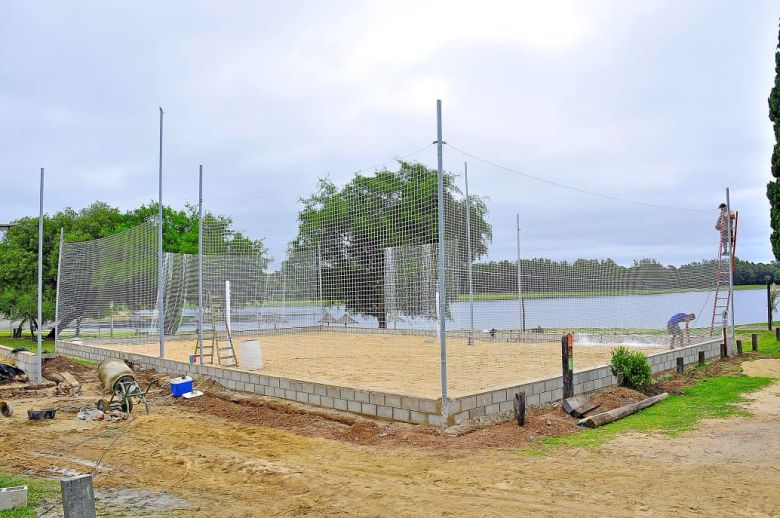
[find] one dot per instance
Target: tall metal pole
(470, 257)
(732, 261)
(319, 276)
(57, 296)
(520, 300)
(200, 263)
(442, 263)
(160, 301)
(39, 374)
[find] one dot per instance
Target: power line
(571, 187)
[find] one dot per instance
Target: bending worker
(673, 326)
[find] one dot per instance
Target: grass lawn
(24, 341)
(38, 491)
(766, 341)
(710, 397)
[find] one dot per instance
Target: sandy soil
(232, 467)
(768, 367)
(402, 364)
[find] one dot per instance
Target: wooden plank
(578, 406)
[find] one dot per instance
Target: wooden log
(680, 365)
(603, 418)
(754, 341)
(702, 360)
(520, 408)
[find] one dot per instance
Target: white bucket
(251, 355)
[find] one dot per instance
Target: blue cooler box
(180, 386)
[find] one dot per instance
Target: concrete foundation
(396, 407)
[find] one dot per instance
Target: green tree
(773, 189)
(348, 230)
(19, 250)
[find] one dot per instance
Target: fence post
(442, 263)
(680, 365)
(739, 346)
(754, 342)
(567, 364)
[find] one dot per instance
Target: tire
(127, 405)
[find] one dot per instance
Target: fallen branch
(618, 413)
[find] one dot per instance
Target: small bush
(631, 368)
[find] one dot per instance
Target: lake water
(624, 311)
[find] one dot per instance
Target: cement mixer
(118, 379)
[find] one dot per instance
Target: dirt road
(221, 468)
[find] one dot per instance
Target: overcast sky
(659, 102)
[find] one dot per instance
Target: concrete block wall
(24, 360)
(384, 405)
(396, 407)
(500, 402)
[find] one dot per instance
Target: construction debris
(92, 413)
(9, 373)
(37, 415)
(578, 406)
(67, 385)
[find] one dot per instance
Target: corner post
(442, 265)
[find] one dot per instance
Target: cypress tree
(773, 188)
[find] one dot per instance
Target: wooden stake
(680, 365)
(754, 341)
(701, 358)
(520, 408)
(567, 364)
(739, 346)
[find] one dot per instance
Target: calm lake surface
(624, 311)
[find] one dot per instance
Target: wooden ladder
(217, 353)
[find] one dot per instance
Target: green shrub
(631, 368)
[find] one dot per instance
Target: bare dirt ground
(401, 364)
(249, 457)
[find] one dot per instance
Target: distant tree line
(546, 275)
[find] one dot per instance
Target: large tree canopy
(19, 249)
(347, 231)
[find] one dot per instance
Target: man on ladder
(724, 266)
(722, 225)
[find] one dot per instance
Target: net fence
(353, 299)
